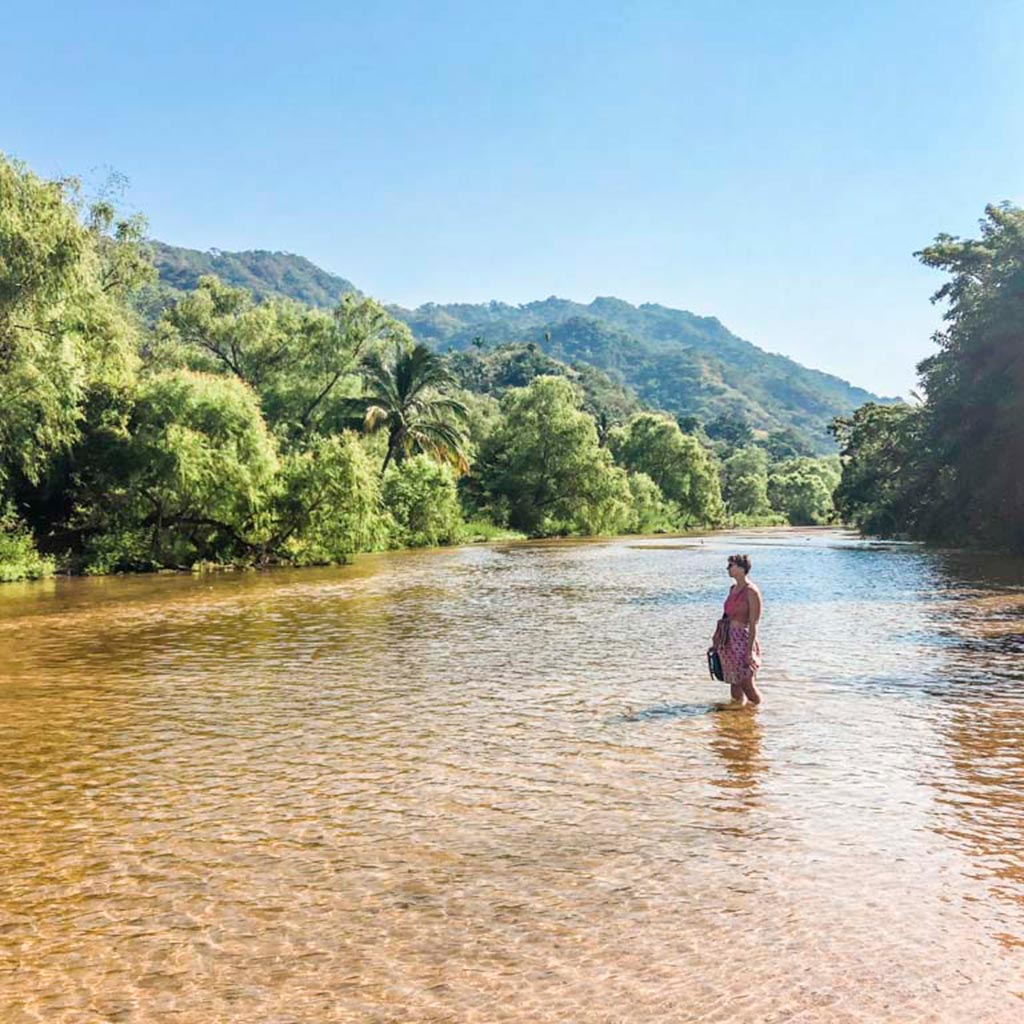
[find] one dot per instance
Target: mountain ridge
(675, 360)
(265, 272)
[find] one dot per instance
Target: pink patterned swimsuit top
(737, 606)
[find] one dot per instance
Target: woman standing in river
(736, 636)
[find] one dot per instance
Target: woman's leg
(737, 693)
(749, 689)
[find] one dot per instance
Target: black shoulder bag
(721, 638)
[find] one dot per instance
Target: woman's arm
(754, 605)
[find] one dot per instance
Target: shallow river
(496, 784)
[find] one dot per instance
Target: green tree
(515, 365)
(326, 504)
(889, 485)
(975, 384)
(745, 483)
(301, 362)
(410, 397)
(650, 512)
(784, 444)
(733, 429)
(543, 469)
(801, 489)
(19, 558)
(187, 481)
(423, 500)
(121, 250)
(681, 467)
(63, 329)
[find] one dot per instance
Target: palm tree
(408, 396)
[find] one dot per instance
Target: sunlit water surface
(496, 784)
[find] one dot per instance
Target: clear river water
(496, 784)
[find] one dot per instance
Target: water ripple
(495, 784)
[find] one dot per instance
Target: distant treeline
(673, 360)
(229, 430)
(950, 470)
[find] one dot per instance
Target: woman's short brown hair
(743, 561)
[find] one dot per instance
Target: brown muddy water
(495, 784)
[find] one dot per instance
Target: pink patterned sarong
(735, 654)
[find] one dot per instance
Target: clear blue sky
(771, 164)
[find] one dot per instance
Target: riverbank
(19, 560)
(25, 564)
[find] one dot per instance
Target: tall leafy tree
(651, 512)
(784, 443)
(186, 480)
(68, 345)
(801, 489)
(422, 498)
(63, 329)
(325, 505)
(890, 485)
(678, 463)
(949, 470)
(302, 362)
(745, 482)
(732, 429)
(544, 470)
(975, 382)
(409, 395)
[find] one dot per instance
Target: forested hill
(674, 360)
(263, 273)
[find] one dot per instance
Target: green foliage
(975, 383)
(888, 488)
(650, 512)
(516, 365)
(326, 504)
(610, 509)
(410, 397)
(224, 432)
(674, 360)
(745, 483)
(203, 445)
(264, 274)
(479, 531)
(483, 414)
(63, 329)
(543, 470)
(121, 249)
(298, 360)
(677, 462)
(422, 498)
(949, 471)
(801, 489)
(733, 429)
(19, 559)
(784, 444)
(187, 481)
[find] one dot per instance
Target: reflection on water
(737, 741)
(495, 784)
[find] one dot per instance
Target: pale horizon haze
(774, 166)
